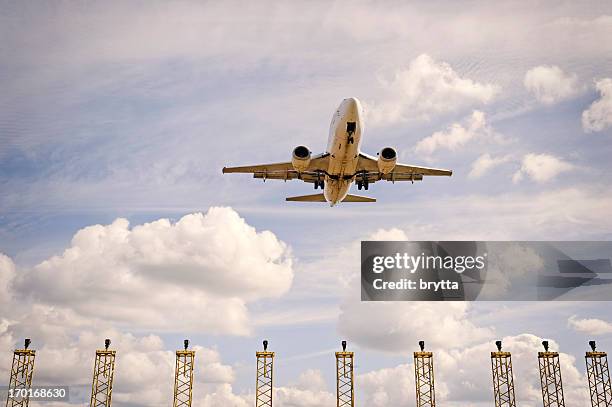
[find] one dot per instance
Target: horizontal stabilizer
(307, 198)
(321, 198)
(358, 198)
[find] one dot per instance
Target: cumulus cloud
(427, 87)
(484, 163)
(599, 115)
(461, 372)
(396, 326)
(471, 365)
(7, 273)
(541, 167)
(590, 326)
(457, 135)
(211, 264)
(144, 368)
(375, 386)
(549, 84)
(310, 390)
(222, 395)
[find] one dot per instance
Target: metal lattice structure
(265, 371)
(345, 391)
(21, 374)
(598, 375)
(183, 377)
(424, 378)
(550, 378)
(104, 370)
(503, 380)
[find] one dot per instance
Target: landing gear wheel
(351, 140)
(319, 184)
(359, 185)
(366, 185)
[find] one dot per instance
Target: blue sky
(130, 110)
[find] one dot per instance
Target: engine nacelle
(300, 158)
(386, 160)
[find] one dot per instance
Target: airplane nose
(353, 107)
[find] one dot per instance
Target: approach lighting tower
(345, 391)
(21, 374)
(503, 381)
(183, 376)
(424, 377)
(550, 378)
(104, 370)
(265, 366)
(598, 375)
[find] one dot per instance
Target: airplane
(342, 164)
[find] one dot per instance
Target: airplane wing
(368, 167)
(285, 171)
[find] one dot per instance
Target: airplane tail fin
(321, 198)
(307, 198)
(358, 198)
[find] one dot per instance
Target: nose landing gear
(319, 184)
(350, 130)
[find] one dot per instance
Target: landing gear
(319, 184)
(363, 185)
(351, 127)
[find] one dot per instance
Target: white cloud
(310, 390)
(393, 386)
(7, 273)
(220, 396)
(211, 264)
(144, 368)
(427, 87)
(461, 372)
(541, 167)
(590, 326)
(457, 135)
(549, 84)
(484, 163)
(599, 115)
(396, 326)
(469, 367)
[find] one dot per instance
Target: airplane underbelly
(336, 190)
(344, 156)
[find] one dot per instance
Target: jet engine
(386, 160)
(300, 158)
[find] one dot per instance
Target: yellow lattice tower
(503, 381)
(550, 378)
(21, 374)
(104, 370)
(264, 384)
(424, 377)
(598, 375)
(345, 391)
(183, 376)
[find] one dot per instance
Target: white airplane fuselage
(343, 146)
